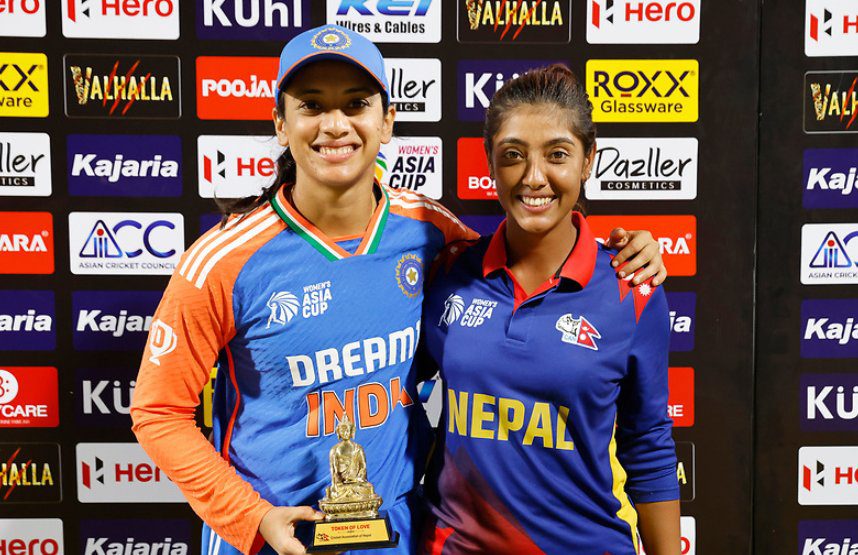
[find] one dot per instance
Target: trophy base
(354, 533)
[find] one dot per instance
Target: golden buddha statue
(350, 495)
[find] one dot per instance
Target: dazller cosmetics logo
(278, 20)
(829, 328)
(236, 166)
(22, 18)
(644, 169)
(494, 21)
(676, 236)
(26, 243)
(831, 178)
(389, 20)
(112, 320)
(829, 402)
(36, 536)
(682, 312)
(132, 537)
(831, 28)
(413, 163)
(29, 397)
(828, 537)
(121, 473)
(231, 87)
(125, 243)
(27, 321)
(480, 79)
(23, 85)
(25, 165)
(122, 86)
(643, 22)
(655, 91)
(829, 254)
(125, 165)
(30, 473)
(415, 88)
(831, 101)
(680, 403)
(828, 475)
(121, 19)
(473, 181)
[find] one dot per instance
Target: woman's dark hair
(554, 85)
(285, 174)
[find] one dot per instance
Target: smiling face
(538, 163)
(334, 124)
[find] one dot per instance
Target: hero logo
(256, 19)
(647, 22)
(25, 165)
(28, 397)
(830, 176)
(828, 537)
(828, 254)
(125, 243)
(828, 476)
(389, 20)
(415, 88)
(479, 80)
(31, 536)
(235, 166)
(121, 473)
(829, 402)
(831, 28)
(22, 18)
(412, 163)
(162, 341)
(130, 19)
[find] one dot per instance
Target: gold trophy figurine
(350, 505)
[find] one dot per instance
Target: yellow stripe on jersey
(626, 513)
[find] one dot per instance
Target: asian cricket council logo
(409, 275)
(283, 306)
(162, 341)
(578, 331)
(453, 308)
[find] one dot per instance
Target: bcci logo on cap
(330, 39)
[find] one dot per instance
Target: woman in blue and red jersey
(556, 437)
(309, 299)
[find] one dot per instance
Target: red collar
(578, 267)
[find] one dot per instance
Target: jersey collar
(321, 242)
(578, 267)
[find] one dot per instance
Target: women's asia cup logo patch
(409, 275)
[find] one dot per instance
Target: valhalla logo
(283, 306)
(104, 86)
(578, 331)
(515, 21)
(831, 104)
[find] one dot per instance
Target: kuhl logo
(413, 21)
(480, 79)
(251, 19)
(493, 21)
(831, 28)
(830, 176)
(121, 19)
(23, 85)
(105, 396)
(162, 341)
(578, 331)
(829, 402)
(643, 22)
(22, 18)
(25, 164)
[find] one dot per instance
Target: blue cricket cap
(331, 42)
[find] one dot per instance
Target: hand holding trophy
(350, 505)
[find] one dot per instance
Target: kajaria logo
(25, 165)
(829, 328)
(22, 18)
(413, 163)
(135, 537)
(676, 236)
(828, 475)
(112, 320)
(830, 178)
(27, 320)
(121, 19)
(680, 403)
(23, 85)
(410, 21)
(236, 166)
(656, 91)
(493, 21)
(831, 28)
(121, 473)
(278, 20)
(26, 243)
(415, 88)
(828, 537)
(231, 87)
(682, 316)
(31, 536)
(643, 22)
(473, 181)
(29, 397)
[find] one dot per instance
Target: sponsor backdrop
(121, 120)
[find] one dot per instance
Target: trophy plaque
(352, 520)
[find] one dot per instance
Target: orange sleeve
(193, 322)
(414, 205)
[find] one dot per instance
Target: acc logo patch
(578, 331)
(331, 39)
(453, 308)
(283, 306)
(409, 275)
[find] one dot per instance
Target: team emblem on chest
(284, 305)
(409, 275)
(578, 331)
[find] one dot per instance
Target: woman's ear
(588, 163)
(280, 128)
(387, 124)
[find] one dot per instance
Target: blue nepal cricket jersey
(555, 406)
(304, 328)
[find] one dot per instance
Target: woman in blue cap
(309, 298)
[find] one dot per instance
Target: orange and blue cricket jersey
(304, 328)
(555, 405)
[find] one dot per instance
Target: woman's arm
(658, 524)
(642, 254)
